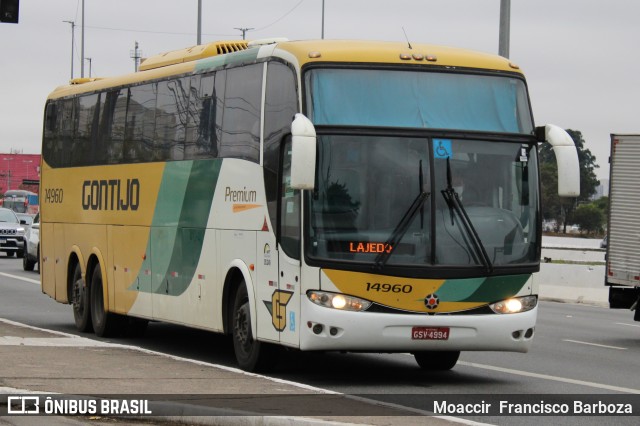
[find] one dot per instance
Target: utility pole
(505, 24)
(199, 39)
(89, 60)
(244, 31)
(136, 54)
(73, 33)
(82, 48)
(322, 32)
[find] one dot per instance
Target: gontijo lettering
(113, 194)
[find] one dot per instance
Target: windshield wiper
(402, 226)
(455, 204)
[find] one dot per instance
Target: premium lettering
(241, 196)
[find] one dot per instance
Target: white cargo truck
(623, 234)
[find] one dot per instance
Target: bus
(309, 195)
(21, 201)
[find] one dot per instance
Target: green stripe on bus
(179, 224)
(489, 289)
(214, 62)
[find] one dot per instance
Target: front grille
(8, 232)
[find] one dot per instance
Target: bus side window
(50, 133)
(112, 121)
(141, 115)
(64, 133)
(87, 108)
(200, 135)
(171, 117)
(241, 120)
(281, 104)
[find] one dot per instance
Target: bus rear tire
(105, 324)
(251, 354)
(80, 301)
(437, 360)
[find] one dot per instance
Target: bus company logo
(431, 301)
(23, 405)
(113, 194)
(277, 307)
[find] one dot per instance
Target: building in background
(19, 171)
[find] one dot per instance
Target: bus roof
(218, 54)
(394, 53)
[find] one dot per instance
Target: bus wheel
(437, 360)
(105, 324)
(80, 302)
(251, 354)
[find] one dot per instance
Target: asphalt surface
(176, 390)
(36, 362)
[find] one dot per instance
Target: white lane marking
(628, 325)
(16, 277)
(73, 337)
(552, 378)
(594, 344)
(51, 342)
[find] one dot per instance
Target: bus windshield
(434, 100)
(366, 184)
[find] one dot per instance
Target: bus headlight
(338, 301)
(514, 305)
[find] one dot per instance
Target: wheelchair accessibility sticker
(442, 148)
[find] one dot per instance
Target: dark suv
(11, 233)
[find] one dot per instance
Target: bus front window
(367, 184)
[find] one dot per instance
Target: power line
(282, 17)
(190, 33)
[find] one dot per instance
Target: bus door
(289, 287)
(278, 272)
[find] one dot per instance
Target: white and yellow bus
(315, 195)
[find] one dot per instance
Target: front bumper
(379, 332)
(12, 243)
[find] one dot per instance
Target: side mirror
(303, 153)
(566, 157)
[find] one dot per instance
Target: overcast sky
(580, 57)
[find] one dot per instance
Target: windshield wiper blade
(400, 230)
(455, 204)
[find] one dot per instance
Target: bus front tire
(80, 301)
(105, 324)
(437, 360)
(251, 354)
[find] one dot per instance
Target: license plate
(430, 333)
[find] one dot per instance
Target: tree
(562, 209)
(589, 217)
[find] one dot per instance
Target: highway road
(578, 350)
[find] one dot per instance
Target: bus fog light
(338, 301)
(514, 305)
